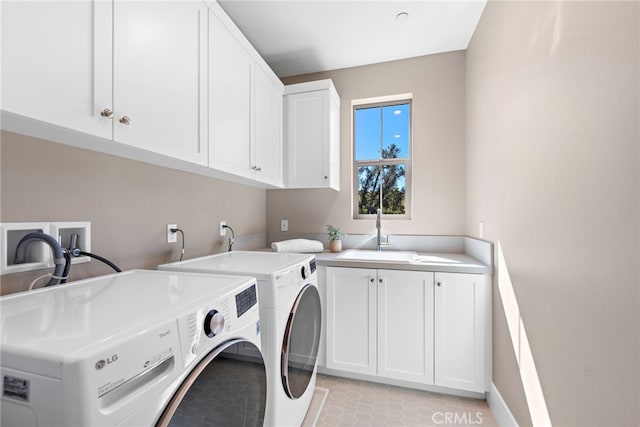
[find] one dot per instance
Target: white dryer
(136, 348)
(290, 315)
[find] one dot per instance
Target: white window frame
(381, 102)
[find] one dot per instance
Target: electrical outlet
(172, 236)
(284, 225)
(223, 231)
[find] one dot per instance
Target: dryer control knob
(303, 272)
(213, 323)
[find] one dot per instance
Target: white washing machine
(290, 314)
(139, 348)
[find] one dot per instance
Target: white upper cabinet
(48, 69)
(160, 72)
(245, 100)
(132, 72)
(174, 83)
(266, 162)
(229, 101)
(312, 135)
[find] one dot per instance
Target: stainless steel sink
(388, 256)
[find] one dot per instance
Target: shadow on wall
(521, 348)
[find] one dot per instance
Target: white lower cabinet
(460, 331)
(422, 327)
(351, 320)
(405, 325)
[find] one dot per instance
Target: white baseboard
(500, 410)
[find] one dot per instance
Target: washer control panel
(209, 325)
(246, 299)
(306, 271)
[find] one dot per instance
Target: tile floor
(361, 403)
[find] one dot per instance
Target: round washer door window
(301, 341)
(220, 391)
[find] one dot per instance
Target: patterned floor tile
(361, 403)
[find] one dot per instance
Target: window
(382, 158)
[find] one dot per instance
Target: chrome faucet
(378, 227)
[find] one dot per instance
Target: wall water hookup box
(38, 253)
(63, 231)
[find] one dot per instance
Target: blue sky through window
(380, 127)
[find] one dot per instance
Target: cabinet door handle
(372, 280)
(256, 168)
(439, 284)
(380, 280)
(107, 113)
(125, 120)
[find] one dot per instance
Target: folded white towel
(298, 245)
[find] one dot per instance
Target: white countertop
(429, 261)
(454, 254)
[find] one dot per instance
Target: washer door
(220, 391)
(301, 340)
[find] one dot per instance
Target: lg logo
(104, 362)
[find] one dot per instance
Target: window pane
(393, 189)
(367, 133)
(395, 131)
(368, 189)
(382, 156)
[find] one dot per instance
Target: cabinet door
(267, 129)
(405, 325)
(307, 125)
(322, 289)
(229, 101)
(460, 331)
(160, 76)
(351, 320)
(56, 62)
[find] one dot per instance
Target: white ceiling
(304, 36)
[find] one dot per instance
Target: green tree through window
(381, 154)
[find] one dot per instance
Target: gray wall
(553, 172)
(128, 203)
(437, 83)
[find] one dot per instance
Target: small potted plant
(335, 244)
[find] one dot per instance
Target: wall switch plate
(284, 225)
(172, 237)
(223, 231)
